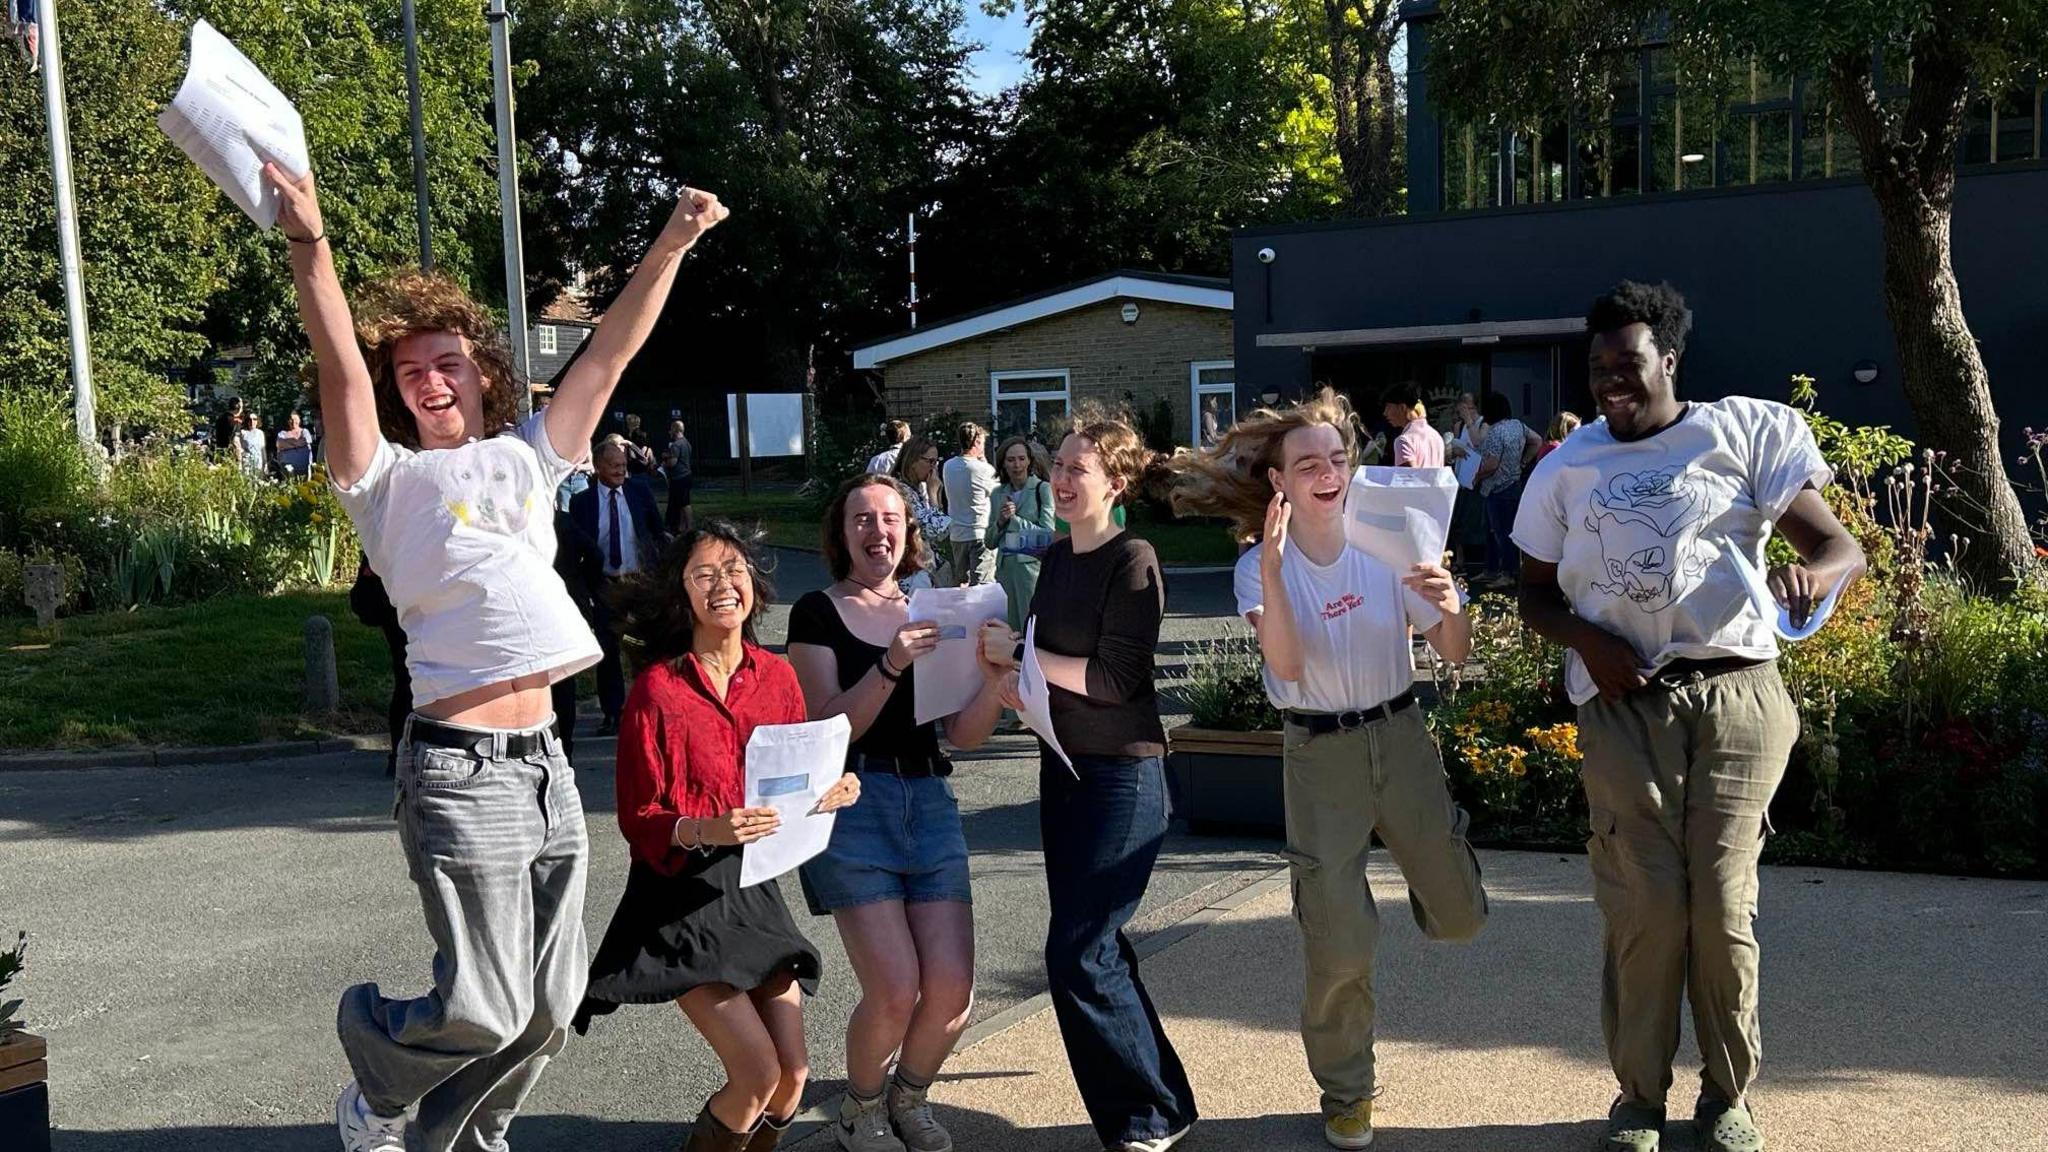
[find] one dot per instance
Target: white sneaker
(1156, 1144)
(363, 1130)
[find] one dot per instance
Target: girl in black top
(1099, 602)
(895, 875)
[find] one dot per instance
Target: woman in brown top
(1098, 605)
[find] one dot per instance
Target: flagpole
(67, 223)
(508, 196)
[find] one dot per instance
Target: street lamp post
(419, 132)
(67, 224)
(508, 195)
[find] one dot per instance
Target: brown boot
(709, 1134)
(768, 1133)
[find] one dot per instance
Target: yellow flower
(1466, 732)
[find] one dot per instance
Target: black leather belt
(907, 767)
(1684, 673)
(438, 735)
(1319, 723)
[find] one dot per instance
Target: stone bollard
(42, 588)
(323, 687)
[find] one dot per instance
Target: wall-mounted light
(1269, 398)
(1130, 313)
(1692, 158)
(1865, 372)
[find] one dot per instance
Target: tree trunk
(1909, 162)
(1359, 37)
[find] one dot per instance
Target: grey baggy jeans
(1678, 783)
(1341, 787)
(497, 847)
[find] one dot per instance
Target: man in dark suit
(620, 524)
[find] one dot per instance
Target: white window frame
(544, 339)
(1197, 390)
(995, 390)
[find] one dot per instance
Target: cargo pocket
(1305, 874)
(1602, 848)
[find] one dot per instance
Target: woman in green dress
(1023, 507)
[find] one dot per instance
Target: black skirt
(673, 933)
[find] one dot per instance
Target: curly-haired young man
(1632, 532)
(459, 521)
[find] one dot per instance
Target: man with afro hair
(1635, 532)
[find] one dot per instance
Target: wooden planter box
(1219, 780)
(24, 1093)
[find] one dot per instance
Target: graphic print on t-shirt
(1649, 527)
(1342, 604)
(481, 484)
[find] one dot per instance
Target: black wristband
(1018, 655)
(882, 666)
(308, 240)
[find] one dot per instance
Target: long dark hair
(652, 611)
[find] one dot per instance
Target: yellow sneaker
(1349, 1127)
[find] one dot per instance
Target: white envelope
(1035, 694)
(1400, 516)
(1781, 620)
(789, 768)
(949, 676)
(229, 118)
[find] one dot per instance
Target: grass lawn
(230, 671)
(791, 524)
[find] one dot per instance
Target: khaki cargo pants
(1677, 783)
(1340, 787)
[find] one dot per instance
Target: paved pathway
(1900, 1012)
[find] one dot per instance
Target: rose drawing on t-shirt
(1649, 526)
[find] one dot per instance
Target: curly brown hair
(1228, 479)
(411, 301)
(1124, 456)
(832, 533)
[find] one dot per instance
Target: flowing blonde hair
(1228, 479)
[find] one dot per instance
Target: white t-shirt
(884, 462)
(465, 541)
(1353, 618)
(1641, 530)
(969, 484)
(252, 450)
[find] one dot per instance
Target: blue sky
(999, 65)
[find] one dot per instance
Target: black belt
(907, 767)
(1685, 673)
(437, 735)
(1319, 723)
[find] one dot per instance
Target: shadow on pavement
(564, 1132)
(1279, 1133)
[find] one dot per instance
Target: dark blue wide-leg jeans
(1102, 833)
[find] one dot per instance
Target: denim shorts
(901, 840)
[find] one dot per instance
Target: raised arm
(586, 388)
(348, 403)
(1279, 638)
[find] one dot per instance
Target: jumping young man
(1630, 532)
(454, 505)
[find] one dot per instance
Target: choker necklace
(877, 591)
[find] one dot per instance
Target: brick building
(1130, 337)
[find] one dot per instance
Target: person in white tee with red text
(1334, 624)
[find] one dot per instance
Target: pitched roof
(1164, 287)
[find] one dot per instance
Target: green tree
(1350, 44)
(822, 125)
(342, 62)
(149, 232)
(1540, 61)
(1146, 131)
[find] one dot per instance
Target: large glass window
(1471, 166)
(1023, 400)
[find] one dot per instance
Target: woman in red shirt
(685, 930)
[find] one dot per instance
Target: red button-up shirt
(683, 751)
